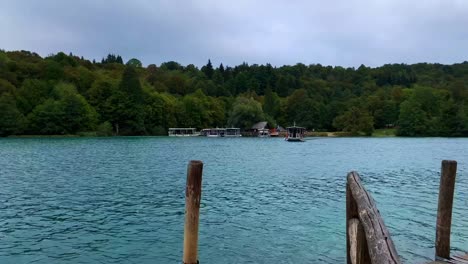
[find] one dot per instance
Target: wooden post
(444, 211)
(192, 211)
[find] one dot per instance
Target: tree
(304, 110)
(413, 120)
(176, 84)
(100, 97)
(221, 68)
(112, 58)
(421, 99)
(355, 121)
(53, 70)
(271, 105)
(11, 120)
(134, 63)
(152, 71)
(245, 113)
(127, 102)
(78, 114)
(218, 78)
(119, 60)
(32, 93)
(6, 87)
(208, 69)
(452, 120)
(66, 113)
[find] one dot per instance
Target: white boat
(265, 132)
(233, 132)
(183, 132)
(213, 132)
(295, 134)
(274, 132)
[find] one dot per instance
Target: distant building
(260, 125)
(260, 129)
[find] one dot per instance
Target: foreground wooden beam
(351, 213)
(379, 243)
(358, 252)
(192, 211)
(444, 211)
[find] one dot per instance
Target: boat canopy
(296, 129)
(182, 131)
(232, 131)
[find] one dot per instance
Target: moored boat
(213, 132)
(274, 132)
(263, 132)
(295, 134)
(183, 132)
(233, 132)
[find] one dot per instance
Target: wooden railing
(367, 237)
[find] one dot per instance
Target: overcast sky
(329, 32)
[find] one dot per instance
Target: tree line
(66, 94)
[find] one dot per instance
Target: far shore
(377, 133)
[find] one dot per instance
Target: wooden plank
(351, 212)
(444, 211)
(192, 211)
(379, 243)
(358, 252)
(456, 259)
(462, 259)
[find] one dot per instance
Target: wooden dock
(456, 259)
(368, 240)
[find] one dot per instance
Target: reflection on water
(121, 200)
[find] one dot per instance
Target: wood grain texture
(444, 210)
(380, 245)
(359, 253)
(192, 211)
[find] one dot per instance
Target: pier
(368, 240)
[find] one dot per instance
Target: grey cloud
(334, 32)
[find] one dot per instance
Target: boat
(295, 134)
(183, 132)
(274, 132)
(233, 132)
(265, 132)
(213, 132)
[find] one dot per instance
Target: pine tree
(208, 69)
(128, 104)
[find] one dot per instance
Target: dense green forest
(66, 94)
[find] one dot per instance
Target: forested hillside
(65, 94)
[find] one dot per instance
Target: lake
(264, 200)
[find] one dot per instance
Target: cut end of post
(194, 173)
(351, 176)
(449, 162)
(196, 162)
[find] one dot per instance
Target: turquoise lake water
(121, 200)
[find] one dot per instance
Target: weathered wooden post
(444, 211)
(192, 211)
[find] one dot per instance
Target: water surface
(121, 200)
